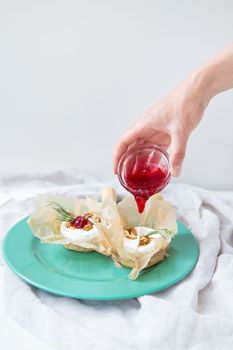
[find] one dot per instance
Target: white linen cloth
(197, 313)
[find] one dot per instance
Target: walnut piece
(130, 233)
(88, 215)
(88, 226)
(95, 218)
(144, 240)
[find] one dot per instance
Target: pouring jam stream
(143, 184)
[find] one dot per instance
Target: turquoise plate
(91, 275)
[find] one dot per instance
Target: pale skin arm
(169, 122)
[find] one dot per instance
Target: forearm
(215, 76)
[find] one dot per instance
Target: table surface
(12, 335)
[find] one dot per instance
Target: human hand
(168, 123)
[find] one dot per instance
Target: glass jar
(144, 170)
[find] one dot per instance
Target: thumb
(177, 152)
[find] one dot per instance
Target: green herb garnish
(62, 214)
(168, 232)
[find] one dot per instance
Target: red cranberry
(79, 222)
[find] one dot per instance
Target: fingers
(120, 150)
(123, 145)
(177, 152)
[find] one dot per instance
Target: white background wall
(75, 74)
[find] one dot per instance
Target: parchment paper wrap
(45, 225)
(158, 215)
(115, 217)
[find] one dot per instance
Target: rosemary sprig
(168, 232)
(62, 214)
